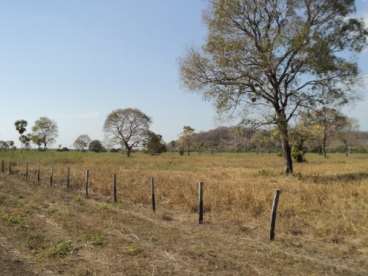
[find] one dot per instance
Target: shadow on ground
(334, 179)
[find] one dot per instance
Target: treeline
(321, 131)
(128, 130)
(242, 139)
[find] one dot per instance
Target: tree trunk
(128, 152)
(347, 150)
(324, 145)
(286, 148)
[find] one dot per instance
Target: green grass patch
(61, 249)
(95, 239)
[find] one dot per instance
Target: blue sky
(75, 61)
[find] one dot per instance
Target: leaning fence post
(2, 166)
(200, 203)
(274, 214)
(153, 194)
(52, 177)
(87, 183)
(68, 179)
(114, 189)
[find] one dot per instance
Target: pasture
(323, 212)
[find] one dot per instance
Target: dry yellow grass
(325, 200)
(323, 208)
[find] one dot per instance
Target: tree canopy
(274, 57)
(44, 132)
(127, 128)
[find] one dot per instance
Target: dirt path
(62, 233)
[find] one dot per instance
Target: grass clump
(133, 250)
(61, 249)
(95, 239)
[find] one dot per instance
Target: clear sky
(76, 60)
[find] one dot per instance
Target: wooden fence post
(38, 175)
(10, 168)
(52, 177)
(87, 183)
(2, 166)
(68, 179)
(27, 171)
(114, 189)
(153, 194)
(275, 206)
(200, 203)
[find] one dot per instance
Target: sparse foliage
(186, 139)
(276, 57)
(326, 122)
(44, 132)
(82, 142)
(127, 128)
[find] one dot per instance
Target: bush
(298, 154)
(96, 146)
(154, 144)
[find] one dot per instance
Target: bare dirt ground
(47, 231)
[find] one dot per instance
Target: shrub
(298, 154)
(96, 146)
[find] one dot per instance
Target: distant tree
(4, 145)
(7, 145)
(274, 58)
(154, 143)
(82, 142)
(44, 132)
(326, 123)
(346, 133)
(37, 140)
(171, 146)
(300, 135)
(21, 127)
(96, 146)
(26, 140)
(127, 128)
(186, 139)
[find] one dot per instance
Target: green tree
(44, 132)
(21, 127)
(154, 143)
(96, 146)
(275, 57)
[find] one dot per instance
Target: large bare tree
(127, 128)
(274, 57)
(82, 142)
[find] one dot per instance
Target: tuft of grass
(133, 250)
(11, 219)
(95, 239)
(61, 249)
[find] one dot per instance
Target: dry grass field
(322, 228)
